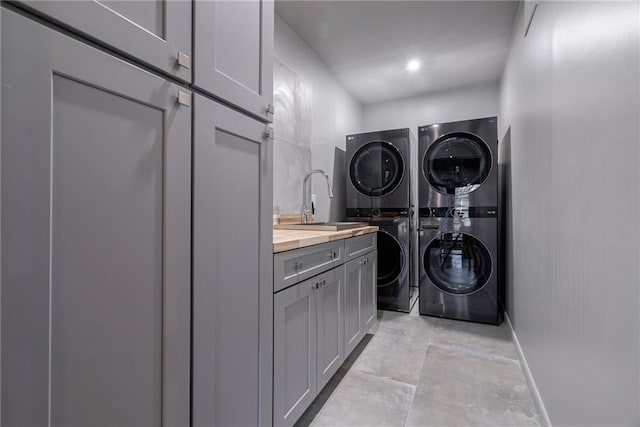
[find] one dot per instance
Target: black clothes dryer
(394, 277)
(458, 163)
(378, 169)
(458, 264)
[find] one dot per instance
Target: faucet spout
(305, 208)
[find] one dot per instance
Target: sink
(321, 226)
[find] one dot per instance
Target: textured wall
(292, 124)
(570, 96)
(334, 114)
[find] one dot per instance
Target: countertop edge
(287, 240)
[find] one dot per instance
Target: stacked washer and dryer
(379, 191)
(458, 221)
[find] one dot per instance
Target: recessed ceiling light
(413, 65)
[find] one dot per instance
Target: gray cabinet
(360, 307)
(293, 266)
(353, 328)
(320, 320)
(96, 186)
(294, 353)
(155, 32)
(330, 325)
(232, 268)
(369, 302)
(308, 345)
(233, 53)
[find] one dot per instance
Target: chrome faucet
(305, 209)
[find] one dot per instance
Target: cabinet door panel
(330, 324)
(233, 292)
(234, 52)
(352, 310)
(294, 380)
(95, 236)
(149, 31)
(369, 289)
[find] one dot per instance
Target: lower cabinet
(307, 342)
(359, 299)
(317, 324)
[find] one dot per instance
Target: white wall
(570, 95)
(335, 114)
(456, 104)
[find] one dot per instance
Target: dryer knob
(375, 212)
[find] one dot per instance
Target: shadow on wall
(505, 270)
(337, 211)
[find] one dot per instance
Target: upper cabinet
(233, 53)
(155, 32)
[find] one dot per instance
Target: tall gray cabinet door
(156, 32)
(233, 52)
(294, 353)
(369, 291)
(353, 331)
(330, 330)
(95, 236)
(232, 268)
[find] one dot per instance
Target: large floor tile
(419, 328)
(487, 338)
(362, 399)
(386, 356)
(465, 386)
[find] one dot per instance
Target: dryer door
(457, 263)
(391, 259)
(376, 169)
(457, 163)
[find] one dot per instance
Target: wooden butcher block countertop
(286, 240)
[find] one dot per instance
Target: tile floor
(421, 371)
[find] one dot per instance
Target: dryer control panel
(459, 212)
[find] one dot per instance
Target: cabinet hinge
(269, 134)
(270, 109)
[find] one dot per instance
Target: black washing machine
(458, 264)
(378, 169)
(396, 289)
(458, 163)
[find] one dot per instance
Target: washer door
(457, 263)
(457, 163)
(376, 169)
(391, 258)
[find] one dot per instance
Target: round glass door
(457, 263)
(390, 259)
(376, 169)
(457, 163)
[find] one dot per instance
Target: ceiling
(367, 44)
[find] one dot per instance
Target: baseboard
(535, 394)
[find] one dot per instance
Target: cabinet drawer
(360, 245)
(293, 266)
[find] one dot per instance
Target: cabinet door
(353, 331)
(294, 369)
(233, 52)
(154, 32)
(96, 226)
(369, 288)
(330, 324)
(232, 268)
